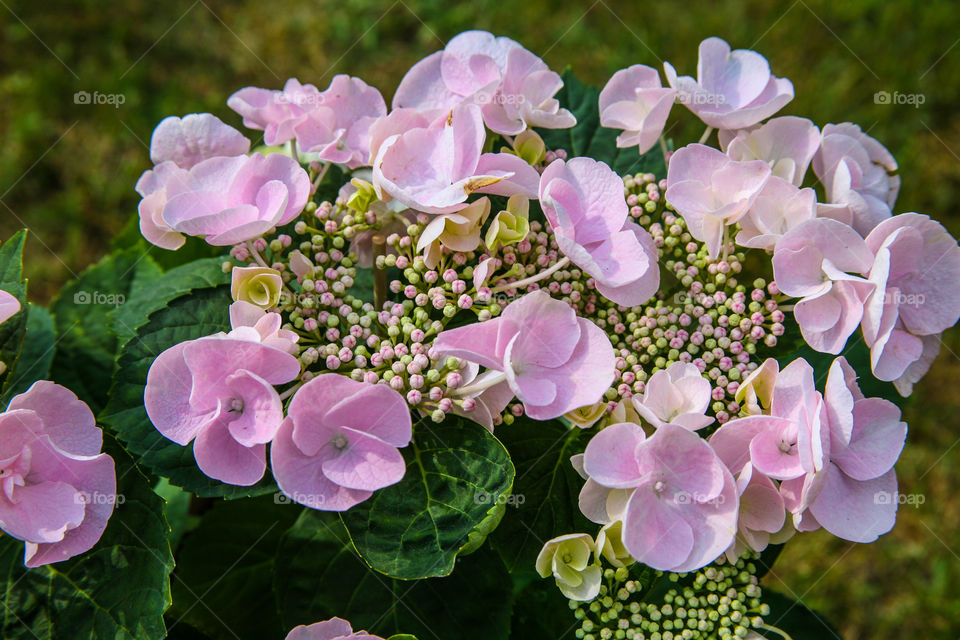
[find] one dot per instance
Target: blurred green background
(67, 170)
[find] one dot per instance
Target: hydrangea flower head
(193, 138)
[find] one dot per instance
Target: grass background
(67, 170)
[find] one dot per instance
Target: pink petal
(367, 463)
(857, 511)
(611, 456)
(222, 458)
(67, 420)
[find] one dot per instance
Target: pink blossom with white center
(822, 262)
(679, 395)
(193, 138)
(857, 173)
(276, 113)
(57, 490)
(916, 273)
(340, 442)
(583, 201)
(779, 207)
(332, 629)
(787, 143)
(435, 168)
(552, 360)
(9, 306)
(733, 89)
(513, 86)
(338, 129)
(224, 200)
(218, 392)
(634, 100)
(677, 500)
(712, 191)
(250, 322)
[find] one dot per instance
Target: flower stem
(705, 136)
(256, 254)
(783, 634)
(526, 282)
(321, 175)
(663, 148)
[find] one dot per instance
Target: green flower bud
(257, 285)
(511, 226)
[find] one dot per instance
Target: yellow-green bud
(257, 285)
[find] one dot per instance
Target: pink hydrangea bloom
(332, 629)
(635, 101)
(224, 200)
(833, 452)
(433, 169)
(340, 442)
(815, 261)
(9, 306)
(677, 500)
(733, 89)
(218, 392)
(338, 129)
(679, 395)
(712, 191)
(787, 143)
(856, 171)
(513, 86)
(250, 322)
(552, 360)
(276, 113)
(779, 207)
(917, 277)
(57, 490)
(194, 138)
(583, 201)
(762, 512)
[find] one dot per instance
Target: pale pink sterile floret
(679, 395)
(681, 503)
(250, 322)
(231, 200)
(552, 360)
(332, 629)
(9, 306)
(634, 100)
(513, 86)
(218, 392)
(857, 173)
(711, 191)
(779, 207)
(583, 201)
(276, 112)
(193, 138)
(340, 442)
(733, 89)
(916, 273)
(435, 168)
(762, 512)
(338, 129)
(787, 143)
(823, 262)
(152, 187)
(57, 490)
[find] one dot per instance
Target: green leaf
(319, 576)
(86, 347)
(201, 274)
(12, 331)
(546, 490)
(795, 618)
(36, 356)
(202, 313)
(588, 138)
(223, 585)
(458, 480)
(118, 590)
